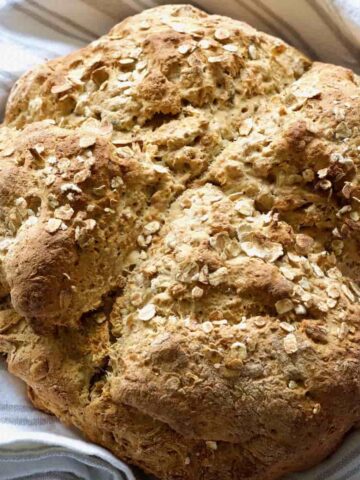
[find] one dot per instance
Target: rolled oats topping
(290, 344)
(53, 225)
(284, 306)
(147, 312)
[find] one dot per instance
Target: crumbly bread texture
(179, 253)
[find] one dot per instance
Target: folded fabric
(34, 445)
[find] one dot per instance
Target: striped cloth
(33, 445)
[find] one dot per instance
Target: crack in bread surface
(179, 237)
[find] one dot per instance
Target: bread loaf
(179, 246)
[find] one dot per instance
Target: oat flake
(290, 344)
(53, 225)
(147, 312)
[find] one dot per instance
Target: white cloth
(34, 445)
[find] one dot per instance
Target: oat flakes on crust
(179, 241)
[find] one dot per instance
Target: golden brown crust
(179, 258)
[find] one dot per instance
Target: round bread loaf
(179, 246)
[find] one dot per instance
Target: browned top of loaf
(179, 267)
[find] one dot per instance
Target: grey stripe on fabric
(147, 3)
(104, 7)
(56, 452)
(333, 27)
(44, 453)
(264, 20)
(5, 84)
(8, 75)
(135, 5)
(350, 474)
(288, 27)
(51, 476)
(18, 408)
(194, 4)
(16, 41)
(66, 20)
(27, 422)
(353, 474)
(48, 24)
(107, 6)
(144, 4)
(345, 27)
(333, 469)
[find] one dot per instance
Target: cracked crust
(179, 262)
